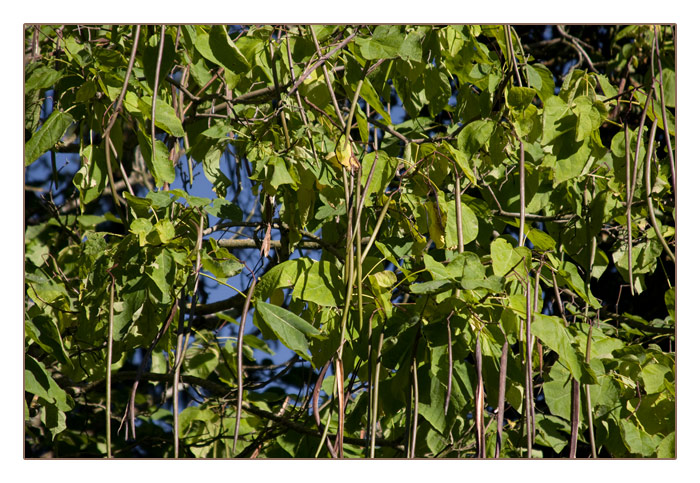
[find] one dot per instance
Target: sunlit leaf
(47, 136)
(292, 330)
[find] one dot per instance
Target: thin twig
(302, 111)
(390, 130)
(323, 113)
(414, 430)
(638, 147)
(176, 377)
(314, 406)
(575, 401)
(628, 192)
(320, 62)
(113, 119)
(528, 370)
(181, 347)
(479, 419)
(328, 80)
(155, 97)
(589, 407)
(667, 131)
(110, 337)
(650, 205)
(339, 383)
(241, 329)
(450, 363)
(301, 429)
(378, 225)
(521, 230)
(130, 411)
(509, 43)
(576, 44)
(375, 395)
(501, 395)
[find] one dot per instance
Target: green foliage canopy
(463, 239)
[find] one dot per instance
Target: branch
(239, 344)
(299, 428)
(577, 46)
(113, 120)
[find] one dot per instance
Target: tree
(463, 237)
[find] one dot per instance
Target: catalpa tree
(349, 241)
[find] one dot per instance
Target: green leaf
(141, 227)
(385, 43)
(558, 119)
(128, 310)
(552, 432)
(222, 264)
(437, 270)
(384, 172)
(463, 162)
(201, 362)
(669, 88)
(37, 380)
(473, 137)
(213, 172)
(140, 206)
(541, 79)
(437, 90)
(217, 131)
(384, 279)
(571, 159)
(557, 391)
(670, 300)
(91, 178)
(569, 275)
(45, 291)
(468, 266)
(654, 112)
(150, 58)
(435, 286)
(653, 376)
(161, 199)
(283, 275)
(520, 97)
(166, 118)
(493, 284)
(160, 166)
(370, 95)
(291, 329)
(225, 51)
(411, 49)
(223, 209)
(41, 78)
(503, 256)
(322, 283)
(431, 403)
(162, 272)
(470, 226)
(279, 173)
(637, 440)
(44, 331)
(163, 232)
(540, 239)
(551, 331)
(667, 447)
(589, 116)
(47, 136)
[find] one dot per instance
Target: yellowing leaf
(343, 155)
(436, 226)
